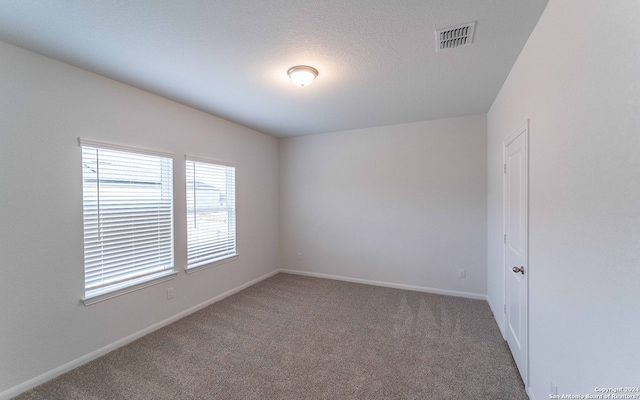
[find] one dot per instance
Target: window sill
(131, 287)
(207, 265)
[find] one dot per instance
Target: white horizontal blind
(211, 212)
(128, 218)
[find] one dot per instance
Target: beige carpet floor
(295, 337)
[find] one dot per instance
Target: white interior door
(516, 217)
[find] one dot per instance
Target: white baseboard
(477, 296)
(530, 393)
(47, 376)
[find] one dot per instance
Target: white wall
(403, 204)
(578, 79)
(44, 107)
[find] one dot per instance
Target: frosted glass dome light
(302, 75)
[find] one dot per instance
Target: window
(211, 212)
(128, 217)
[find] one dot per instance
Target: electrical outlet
(299, 256)
(170, 293)
(462, 273)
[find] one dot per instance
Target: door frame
(522, 130)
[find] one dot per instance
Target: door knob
(516, 270)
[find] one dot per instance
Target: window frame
(102, 293)
(225, 258)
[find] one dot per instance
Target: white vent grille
(456, 36)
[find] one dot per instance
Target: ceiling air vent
(456, 36)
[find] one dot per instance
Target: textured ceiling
(376, 58)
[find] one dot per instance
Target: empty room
(301, 199)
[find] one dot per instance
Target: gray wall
(402, 204)
(44, 107)
(578, 80)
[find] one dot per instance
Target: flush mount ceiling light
(302, 75)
